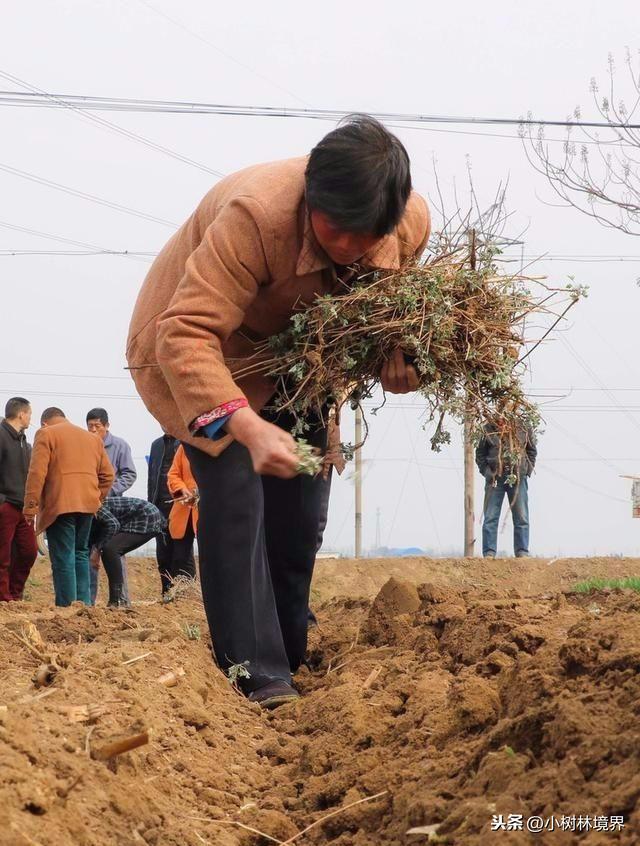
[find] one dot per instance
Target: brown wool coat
(180, 478)
(230, 277)
(69, 473)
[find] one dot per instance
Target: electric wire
(14, 227)
(53, 99)
(39, 97)
(218, 49)
(66, 189)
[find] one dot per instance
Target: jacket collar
(108, 440)
(312, 258)
(15, 434)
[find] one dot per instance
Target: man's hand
(30, 520)
(185, 497)
(397, 377)
(95, 559)
(273, 451)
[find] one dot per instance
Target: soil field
(456, 691)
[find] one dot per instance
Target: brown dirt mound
(454, 703)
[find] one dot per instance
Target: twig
(240, 825)
(373, 675)
(35, 652)
(119, 747)
(138, 658)
(87, 746)
(38, 696)
(346, 652)
(332, 814)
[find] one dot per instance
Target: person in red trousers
(18, 547)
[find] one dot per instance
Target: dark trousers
(68, 539)
(113, 554)
(175, 557)
(257, 538)
(18, 551)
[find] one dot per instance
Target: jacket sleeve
(40, 458)
(481, 455)
(125, 472)
(153, 469)
(175, 479)
(104, 527)
(532, 450)
(105, 474)
(221, 280)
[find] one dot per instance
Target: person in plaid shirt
(121, 525)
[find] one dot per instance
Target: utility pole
(469, 511)
(358, 481)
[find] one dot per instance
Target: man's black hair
(50, 413)
(14, 406)
(98, 414)
(359, 177)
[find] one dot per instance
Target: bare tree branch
(601, 183)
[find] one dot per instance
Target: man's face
(341, 247)
(24, 418)
(98, 427)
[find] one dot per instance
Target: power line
(20, 252)
(76, 253)
(390, 404)
(40, 180)
(85, 395)
(54, 100)
(218, 49)
(596, 379)
(585, 487)
(61, 375)
(62, 240)
(40, 98)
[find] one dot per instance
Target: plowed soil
(452, 692)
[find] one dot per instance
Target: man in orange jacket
(69, 476)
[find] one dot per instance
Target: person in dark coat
(502, 479)
(18, 548)
(172, 556)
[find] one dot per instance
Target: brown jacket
(69, 473)
(230, 277)
(180, 478)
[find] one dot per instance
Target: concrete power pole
(358, 483)
(469, 510)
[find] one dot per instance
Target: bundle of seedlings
(457, 318)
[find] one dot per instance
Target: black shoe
(273, 694)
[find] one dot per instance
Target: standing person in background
(183, 518)
(18, 547)
(170, 555)
(118, 451)
(122, 524)
(69, 477)
(503, 479)
(119, 454)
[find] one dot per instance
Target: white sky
(69, 314)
